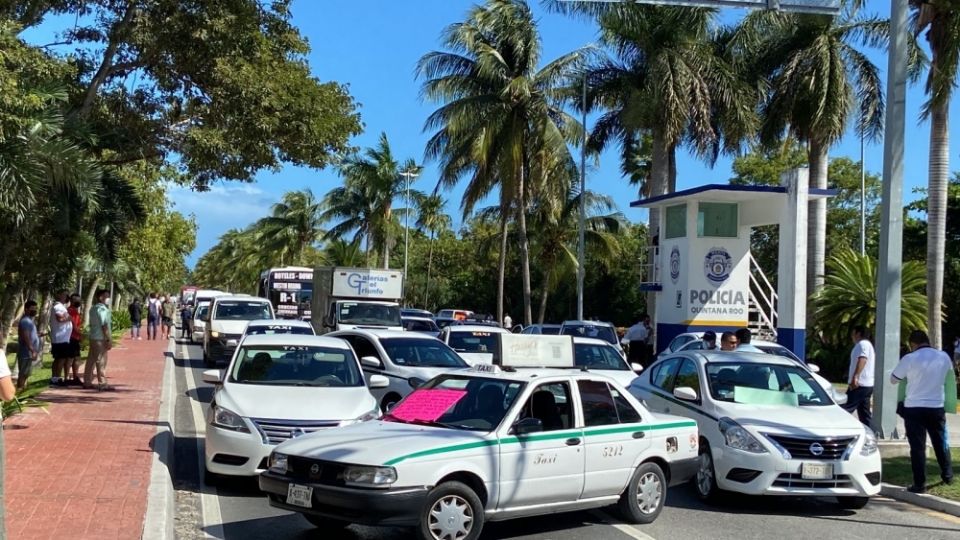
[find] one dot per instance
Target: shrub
(121, 320)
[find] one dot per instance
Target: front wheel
(452, 511)
(643, 499)
(852, 503)
(388, 402)
(706, 479)
(325, 523)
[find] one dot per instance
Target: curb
(931, 502)
(158, 522)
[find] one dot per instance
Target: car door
(662, 377)
(614, 435)
(545, 467)
(365, 347)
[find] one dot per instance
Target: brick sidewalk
(82, 471)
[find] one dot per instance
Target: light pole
(408, 174)
(863, 201)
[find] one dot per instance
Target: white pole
(406, 228)
(863, 201)
(581, 240)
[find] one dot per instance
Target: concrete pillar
(792, 266)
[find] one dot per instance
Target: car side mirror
(527, 426)
(813, 368)
(205, 318)
(636, 367)
(327, 321)
(685, 393)
(371, 361)
(213, 376)
(378, 381)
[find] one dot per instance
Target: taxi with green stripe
(489, 444)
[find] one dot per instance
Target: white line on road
(622, 527)
(209, 502)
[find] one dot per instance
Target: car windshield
(239, 310)
(369, 314)
(779, 351)
(591, 331)
(452, 402)
(764, 384)
(595, 356)
(201, 311)
(270, 329)
(472, 341)
(296, 365)
(421, 352)
(417, 325)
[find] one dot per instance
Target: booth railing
(763, 297)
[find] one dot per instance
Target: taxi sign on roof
(527, 350)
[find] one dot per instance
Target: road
(235, 510)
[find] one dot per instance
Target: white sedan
(766, 426)
(474, 343)
(270, 327)
(601, 357)
(278, 387)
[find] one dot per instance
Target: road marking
(209, 499)
(622, 527)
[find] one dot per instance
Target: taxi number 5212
(612, 451)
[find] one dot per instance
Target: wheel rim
(705, 474)
(649, 493)
(451, 518)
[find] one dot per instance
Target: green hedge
(121, 320)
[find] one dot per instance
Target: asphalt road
(235, 510)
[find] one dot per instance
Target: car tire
(452, 511)
(389, 401)
(325, 523)
(852, 503)
(705, 481)
(643, 499)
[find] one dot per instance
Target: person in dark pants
(925, 371)
(636, 337)
(186, 322)
(860, 377)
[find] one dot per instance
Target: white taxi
(766, 426)
(489, 444)
(474, 343)
(278, 387)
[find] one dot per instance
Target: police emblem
(674, 264)
(717, 265)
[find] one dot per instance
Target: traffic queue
(442, 434)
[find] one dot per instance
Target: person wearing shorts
(28, 343)
(61, 326)
(73, 364)
(167, 310)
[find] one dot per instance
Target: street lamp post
(412, 173)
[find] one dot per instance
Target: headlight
(869, 442)
(369, 476)
(372, 414)
(278, 463)
(214, 334)
(737, 437)
(227, 419)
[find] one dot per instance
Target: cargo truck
(351, 298)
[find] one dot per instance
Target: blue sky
(373, 46)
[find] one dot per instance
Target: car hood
(788, 420)
(296, 402)
(229, 327)
(378, 442)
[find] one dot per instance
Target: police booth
(701, 270)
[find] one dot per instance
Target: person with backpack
(153, 316)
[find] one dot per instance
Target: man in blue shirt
(29, 343)
(100, 342)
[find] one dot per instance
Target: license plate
(816, 471)
(298, 495)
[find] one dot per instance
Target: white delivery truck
(352, 298)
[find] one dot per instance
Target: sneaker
(917, 489)
(948, 480)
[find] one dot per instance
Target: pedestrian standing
(925, 371)
(100, 342)
(636, 338)
(61, 326)
(186, 322)
(743, 341)
(709, 340)
(136, 317)
(28, 341)
(167, 310)
(728, 341)
(76, 316)
(860, 376)
(153, 316)
(507, 321)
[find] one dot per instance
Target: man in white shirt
(925, 370)
(860, 376)
(743, 340)
(636, 337)
(61, 327)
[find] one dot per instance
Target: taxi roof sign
(527, 350)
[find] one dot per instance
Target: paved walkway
(82, 471)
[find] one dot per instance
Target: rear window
(473, 342)
(242, 310)
(271, 329)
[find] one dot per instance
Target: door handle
(573, 442)
(639, 434)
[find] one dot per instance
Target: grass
(897, 471)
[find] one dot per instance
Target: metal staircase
(763, 301)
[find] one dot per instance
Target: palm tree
(295, 225)
(941, 21)
(496, 108)
(817, 81)
(342, 253)
(432, 220)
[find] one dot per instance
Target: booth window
(676, 226)
(717, 220)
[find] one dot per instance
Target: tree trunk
(524, 247)
(502, 275)
(9, 302)
(88, 303)
(660, 172)
(426, 291)
(546, 292)
(817, 223)
(939, 170)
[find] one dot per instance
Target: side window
(665, 376)
(625, 410)
(550, 403)
(599, 409)
(363, 347)
(688, 376)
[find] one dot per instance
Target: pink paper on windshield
(426, 405)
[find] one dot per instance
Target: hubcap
(451, 518)
(705, 474)
(649, 493)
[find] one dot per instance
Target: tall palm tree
(940, 19)
(432, 220)
(295, 224)
(497, 105)
(817, 80)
